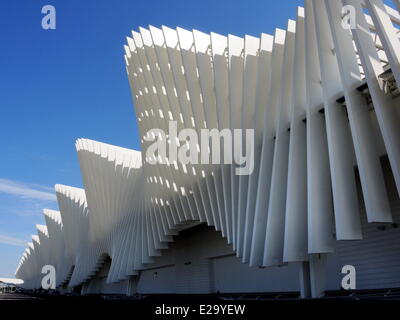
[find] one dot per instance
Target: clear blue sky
(60, 85)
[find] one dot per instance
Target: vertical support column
(304, 275)
(83, 289)
(317, 274)
(131, 286)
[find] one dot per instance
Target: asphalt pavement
(15, 296)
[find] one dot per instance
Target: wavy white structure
(322, 101)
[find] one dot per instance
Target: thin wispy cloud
(12, 241)
(42, 188)
(27, 191)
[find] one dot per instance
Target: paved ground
(15, 296)
(368, 296)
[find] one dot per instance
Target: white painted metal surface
(320, 108)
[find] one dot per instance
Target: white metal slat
(120, 256)
(262, 85)
(219, 51)
(163, 103)
(161, 216)
(137, 263)
(387, 34)
(175, 58)
(126, 241)
(152, 221)
(267, 151)
(340, 146)
(274, 237)
(384, 105)
(250, 71)
(202, 118)
(295, 242)
(131, 242)
(178, 177)
(154, 121)
(162, 236)
(168, 85)
(365, 143)
(319, 197)
(203, 49)
(235, 65)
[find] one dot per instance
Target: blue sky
(60, 85)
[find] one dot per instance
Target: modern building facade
(322, 99)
